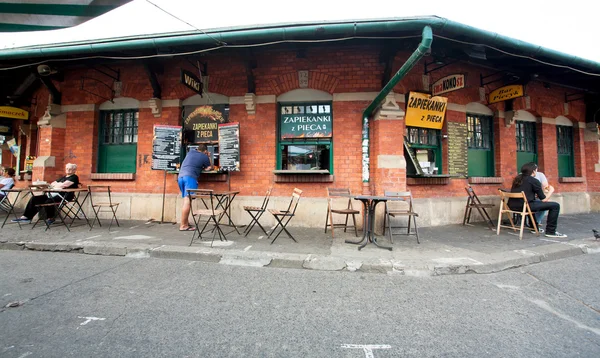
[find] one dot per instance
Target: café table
(224, 200)
(77, 203)
(369, 205)
(11, 204)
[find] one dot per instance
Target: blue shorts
(186, 183)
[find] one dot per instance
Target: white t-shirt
(542, 178)
(8, 183)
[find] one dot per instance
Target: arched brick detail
(316, 80)
(221, 85)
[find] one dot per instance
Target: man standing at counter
(194, 163)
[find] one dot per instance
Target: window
(118, 141)
(526, 143)
(305, 137)
(424, 144)
(564, 142)
(480, 146)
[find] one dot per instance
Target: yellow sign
(505, 93)
(13, 112)
(425, 111)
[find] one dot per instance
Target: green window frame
(307, 153)
(117, 144)
(564, 144)
(480, 144)
(526, 135)
(425, 144)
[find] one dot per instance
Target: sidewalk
(452, 249)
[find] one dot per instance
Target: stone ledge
(571, 180)
(427, 181)
(112, 176)
(302, 178)
(486, 180)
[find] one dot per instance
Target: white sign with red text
(448, 84)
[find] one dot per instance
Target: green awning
(37, 15)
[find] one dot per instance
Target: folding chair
(474, 202)
(106, 206)
(283, 217)
(505, 209)
(72, 208)
(393, 210)
(256, 212)
(213, 214)
(43, 215)
(4, 203)
(335, 195)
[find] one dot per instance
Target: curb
(496, 263)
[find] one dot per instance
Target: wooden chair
(256, 212)
(474, 202)
(283, 217)
(505, 209)
(209, 201)
(340, 195)
(107, 205)
(393, 210)
(43, 215)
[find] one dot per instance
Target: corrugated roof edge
(304, 31)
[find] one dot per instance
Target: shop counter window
(424, 150)
(305, 137)
(480, 143)
(117, 149)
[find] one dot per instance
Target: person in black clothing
(69, 181)
(527, 183)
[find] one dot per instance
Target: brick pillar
(505, 149)
(579, 149)
(591, 138)
(388, 167)
(51, 160)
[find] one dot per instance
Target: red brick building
(96, 104)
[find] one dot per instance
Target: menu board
(229, 147)
(457, 149)
(166, 148)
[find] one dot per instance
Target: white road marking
(133, 227)
(546, 306)
(247, 248)
(367, 348)
(89, 319)
(261, 236)
(91, 237)
(25, 355)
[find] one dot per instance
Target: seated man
(526, 182)
(69, 181)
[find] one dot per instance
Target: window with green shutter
(526, 143)
(480, 141)
(426, 148)
(564, 143)
(117, 148)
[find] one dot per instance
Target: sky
(570, 27)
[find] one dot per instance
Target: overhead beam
(151, 71)
(54, 92)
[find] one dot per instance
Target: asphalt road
(94, 306)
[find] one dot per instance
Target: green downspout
(423, 48)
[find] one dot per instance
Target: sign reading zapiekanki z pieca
(306, 125)
(425, 111)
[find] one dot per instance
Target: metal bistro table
(224, 200)
(369, 205)
(77, 204)
(12, 204)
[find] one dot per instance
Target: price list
(166, 147)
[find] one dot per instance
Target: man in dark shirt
(194, 163)
(527, 183)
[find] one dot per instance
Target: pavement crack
(111, 326)
(564, 292)
(80, 280)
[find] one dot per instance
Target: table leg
(372, 238)
(11, 209)
(80, 210)
(365, 225)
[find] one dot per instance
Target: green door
(564, 142)
(480, 142)
(526, 143)
(117, 148)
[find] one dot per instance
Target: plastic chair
(256, 212)
(335, 195)
(107, 206)
(474, 202)
(505, 209)
(394, 210)
(283, 217)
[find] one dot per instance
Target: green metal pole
(424, 46)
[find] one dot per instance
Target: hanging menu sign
(229, 147)
(166, 148)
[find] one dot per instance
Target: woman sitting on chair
(7, 181)
(69, 181)
(527, 183)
